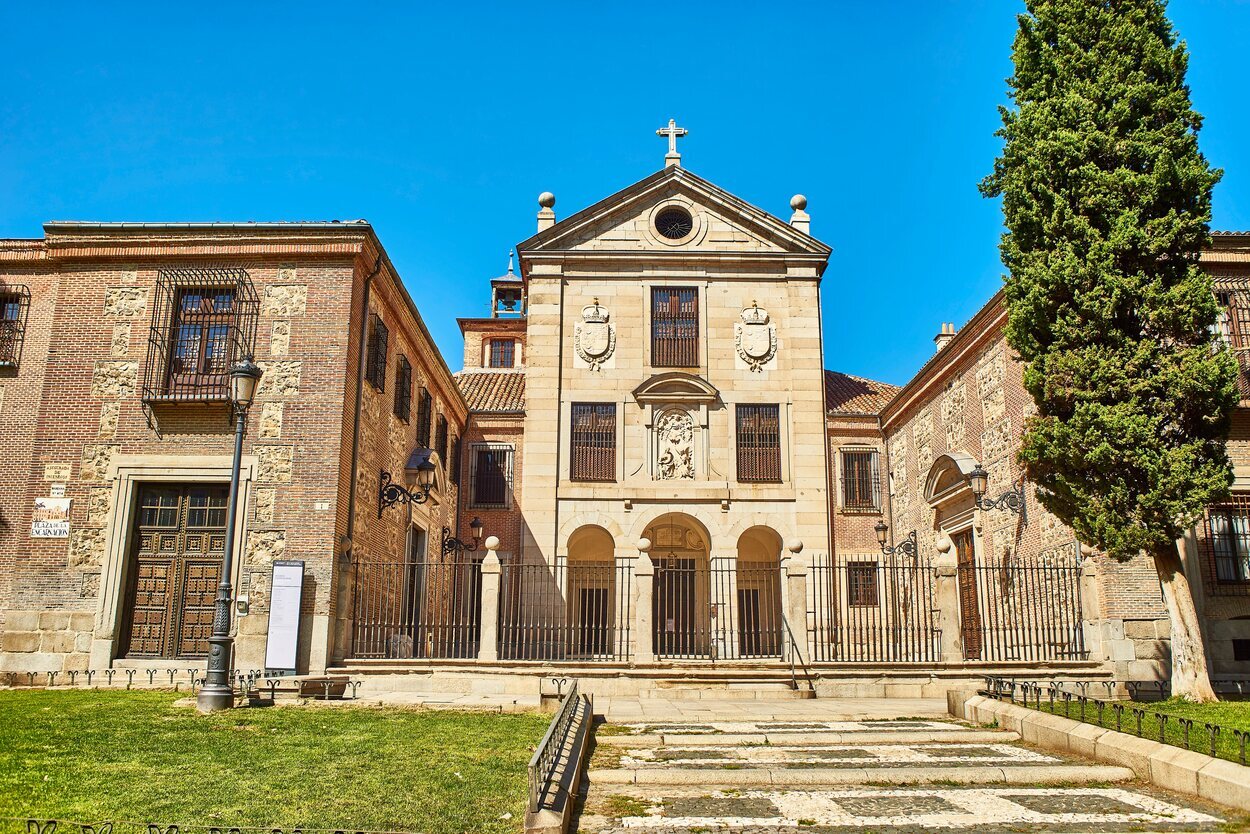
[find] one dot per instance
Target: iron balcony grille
(403, 388)
(425, 406)
(14, 305)
(1233, 324)
(1225, 547)
(502, 353)
(861, 480)
(375, 363)
(491, 476)
(675, 327)
(203, 320)
(759, 443)
(593, 442)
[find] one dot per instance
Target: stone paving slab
(958, 735)
(971, 774)
(794, 728)
(868, 755)
(898, 810)
(624, 709)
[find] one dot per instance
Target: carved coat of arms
(755, 337)
(594, 337)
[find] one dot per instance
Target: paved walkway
(679, 767)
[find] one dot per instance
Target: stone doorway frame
(128, 473)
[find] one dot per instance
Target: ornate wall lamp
(422, 468)
(1012, 499)
(453, 545)
(907, 547)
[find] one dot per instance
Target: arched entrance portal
(682, 607)
(591, 600)
(759, 593)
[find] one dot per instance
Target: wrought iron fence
(425, 608)
(873, 609)
(1024, 610)
(546, 759)
(572, 610)
(1121, 716)
(724, 609)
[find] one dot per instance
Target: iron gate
(720, 610)
(577, 610)
(429, 608)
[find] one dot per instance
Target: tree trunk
(1190, 679)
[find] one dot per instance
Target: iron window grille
(1225, 547)
(453, 470)
(375, 362)
(491, 475)
(425, 410)
(403, 388)
(861, 584)
(593, 442)
(14, 306)
(440, 438)
(861, 480)
(1232, 325)
(502, 353)
(674, 327)
(759, 443)
(203, 320)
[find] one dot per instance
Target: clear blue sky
(441, 123)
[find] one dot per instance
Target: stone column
(947, 592)
(794, 574)
(488, 644)
(1091, 606)
(644, 587)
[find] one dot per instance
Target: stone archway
(682, 604)
(758, 589)
(948, 492)
(591, 603)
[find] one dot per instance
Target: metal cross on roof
(673, 132)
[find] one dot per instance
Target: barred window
(1232, 324)
(440, 438)
(593, 440)
(1226, 545)
(453, 468)
(14, 303)
(861, 584)
(403, 388)
(759, 443)
(203, 320)
(375, 363)
(861, 480)
(502, 353)
(674, 327)
(491, 476)
(425, 416)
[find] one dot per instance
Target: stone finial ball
(546, 199)
(492, 542)
(794, 546)
(644, 544)
(798, 202)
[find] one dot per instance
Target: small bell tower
(507, 294)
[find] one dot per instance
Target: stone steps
(830, 777)
(818, 738)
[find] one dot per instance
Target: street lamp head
(978, 479)
(425, 475)
(882, 529)
(244, 377)
(475, 527)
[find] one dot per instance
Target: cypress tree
(1107, 204)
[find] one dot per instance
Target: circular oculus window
(674, 223)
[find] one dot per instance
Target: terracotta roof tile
(846, 394)
(499, 391)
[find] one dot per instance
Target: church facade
(643, 472)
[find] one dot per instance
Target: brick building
(643, 422)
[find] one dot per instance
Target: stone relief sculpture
(674, 433)
(594, 337)
(755, 337)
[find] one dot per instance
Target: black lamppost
(217, 693)
(907, 547)
(1011, 500)
(453, 545)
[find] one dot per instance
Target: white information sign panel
(286, 591)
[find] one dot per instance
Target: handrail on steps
(795, 654)
(542, 765)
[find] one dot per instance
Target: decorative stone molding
(594, 337)
(675, 387)
(674, 432)
(755, 337)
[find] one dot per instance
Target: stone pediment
(625, 222)
(676, 387)
(948, 476)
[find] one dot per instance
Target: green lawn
(86, 755)
(1229, 715)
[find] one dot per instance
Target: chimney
(800, 220)
(943, 339)
(546, 216)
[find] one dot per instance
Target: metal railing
(1174, 730)
(572, 610)
(426, 608)
(546, 758)
(721, 610)
(797, 663)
